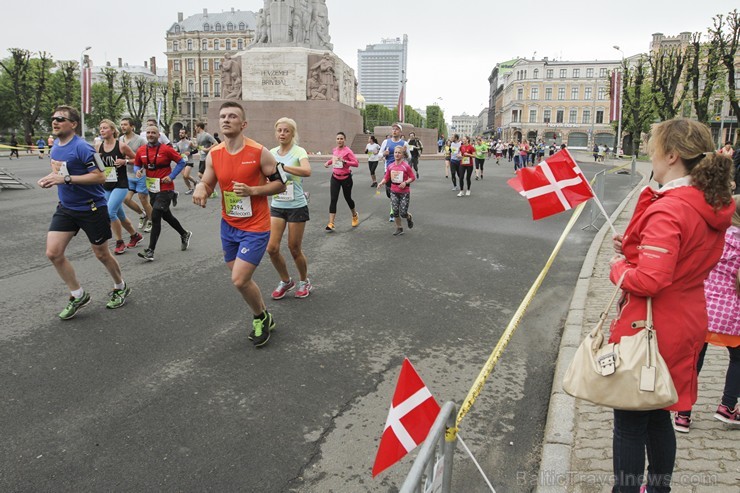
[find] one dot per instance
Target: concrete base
(318, 122)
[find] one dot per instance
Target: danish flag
(412, 414)
(555, 185)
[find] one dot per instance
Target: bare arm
(303, 170)
(206, 185)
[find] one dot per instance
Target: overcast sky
(453, 45)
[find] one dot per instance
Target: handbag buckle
(607, 364)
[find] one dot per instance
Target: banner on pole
(86, 82)
(616, 95)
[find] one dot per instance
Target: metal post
(82, 93)
(633, 170)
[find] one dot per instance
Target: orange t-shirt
(245, 213)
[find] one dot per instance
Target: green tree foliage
(28, 80)
(638, 110)
(436, 119)
(703, 67)
(170, 96)
(138, 92)
(667, 70)
(726, 33)
(106, 99)
(377, 115)
(412, 116)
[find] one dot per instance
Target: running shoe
(189, 191)
(355, 219)
(142, 221)
(120, 247)
(330, 227)
(118, 297)
(174, 198)
(455, 189)
(304, 288)
(261, 329)
(136, 238)
(148, 226)
(185, 240)
(282, 289)
(398, 232)
(476, 178)
(390, 218)
(147, 255)
(727, 415)
(374, 184)
(467, 193)
(74, 305)
(681, 423)
(461, 193)
(410, 221)
(270, 324)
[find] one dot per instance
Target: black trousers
(465, 171)
(346, 187)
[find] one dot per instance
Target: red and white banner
(553, 186)
(412, 414)
(616, 95)
(401, 106)
(86, 80)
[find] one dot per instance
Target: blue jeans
(732, 379)
(635, 432)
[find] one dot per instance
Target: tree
(170, 96)
(413, 117)
(667, 67)
(436, 119)
(28, 79)
(378, 115)
(106, 99)
(703, 67)
(637, 108)
(726, 33)
(138, 92)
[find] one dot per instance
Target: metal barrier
(598, 188)
(430, 474)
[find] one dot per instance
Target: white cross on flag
(413, 411)
(555, 185)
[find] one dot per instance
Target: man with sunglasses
(82, 205)
(154, 161)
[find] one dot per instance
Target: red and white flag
(401, 106)
(616, 95)
(553, 186)
(412, 414)
(86, 79)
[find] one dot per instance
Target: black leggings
(479, 162)
(157, 216)
(454, 171)
(466, 171)
(372, 165)
(346, 186)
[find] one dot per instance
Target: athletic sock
(77, 293)
(119, 285)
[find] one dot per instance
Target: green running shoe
(118, 297)
(74, 306)
(263, 335)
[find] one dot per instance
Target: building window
(217, 65)
(242, 26)
(536, 73)
(190, 45)
(561, 93)
(573, 116)
(206, 86)
(191, 87)
(191, 65)
(525, 74)
(532, 116)
(520, 94)
(204, 45)
(574, 93)
(602, 72)
(239, 44)
(534, 93)
(549, 73)
(216, 44)
(176, 65)
(218, 27)
(589, 73)
(576, 73)
(563, 73)
(548, 94)
(601, 94)
(217, 88)
(228, 44)
(206, 27)
(177, 28)
(205, 108)
(586, 116)
(600, 116)
(205, 64)
(547, 114)
(559, 116)
(175, 45)
(587, 93)
(516, 116)
(229, 26)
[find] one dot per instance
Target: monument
(290, 70)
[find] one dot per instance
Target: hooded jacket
(723, 301)
(672, 242)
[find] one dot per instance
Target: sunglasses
(60, 119)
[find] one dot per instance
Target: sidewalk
(577, 447)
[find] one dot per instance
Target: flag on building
(401, 106)
(553, 186)
(86, 79)
(616, 95)
(411, 416)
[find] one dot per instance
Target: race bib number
(237, 206)
(63, 171)
(152, 184)
(338, 164)
(111, 176)
(396, 176)
(287, 195)
(411, 148)
(466, 160)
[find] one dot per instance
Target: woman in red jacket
(672, 242)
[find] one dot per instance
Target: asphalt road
(167, 393)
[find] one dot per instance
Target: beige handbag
(630, 375)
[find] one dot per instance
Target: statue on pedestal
(231, 77)
(325, 70)
(293, 22)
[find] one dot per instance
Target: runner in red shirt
(466, 165)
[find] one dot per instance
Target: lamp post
(619, 128)
(82, 90)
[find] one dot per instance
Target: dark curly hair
(710, 172)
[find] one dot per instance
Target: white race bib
(338, 163)
(396, 176)
(63, 171)
(411, 148)
(287, 195)
(237, 206)
(152, 184)
(111, 176)
(466, 160)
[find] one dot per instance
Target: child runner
(400, 175)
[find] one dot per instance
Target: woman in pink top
(400, 175)
(342, 159)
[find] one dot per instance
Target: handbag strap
(605, 313)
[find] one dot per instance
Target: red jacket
(671, 243)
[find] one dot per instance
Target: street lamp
(82, 90)
(619, 129)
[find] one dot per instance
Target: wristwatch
(68, 179)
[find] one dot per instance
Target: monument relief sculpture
(316, 91)
(231, 77)
(293, 23)
(325, 70)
